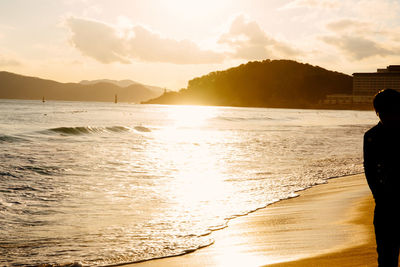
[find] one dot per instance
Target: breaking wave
(95, 130)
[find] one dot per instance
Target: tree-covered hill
(268, 83)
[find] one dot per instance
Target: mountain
(14, 86)
(268, 83)
(123, 83)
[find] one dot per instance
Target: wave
(87, 130)
(7, 174)
(10, 139)
(225, 118)
(224, 225)
(142, 129)
(43, 170)
(258, 118)
(94, 130)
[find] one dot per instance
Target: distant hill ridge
(120, 83)
(15, 86)
(123, 83)
(268, 83)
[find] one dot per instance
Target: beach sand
(327, 225)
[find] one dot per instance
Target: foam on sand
(322, 220)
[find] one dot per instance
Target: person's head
(387, 107)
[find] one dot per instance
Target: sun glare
(191, 116)
(199, 173)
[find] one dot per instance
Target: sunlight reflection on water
(118, 183)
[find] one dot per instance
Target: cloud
(8, 62)
(150, 46)
(326, 4)
(97, 40)
(108, 43)
(343, 25)
(358, 47)
(248, 41)
(377, 10)
(360, 39)
(125, 42)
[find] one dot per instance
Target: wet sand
(327, 225)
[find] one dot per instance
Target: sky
(168, 42)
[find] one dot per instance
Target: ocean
(102, 183)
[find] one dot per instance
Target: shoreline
(336, 107)
(322, 221)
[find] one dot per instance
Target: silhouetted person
(382, 170)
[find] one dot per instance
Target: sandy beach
(327, 225)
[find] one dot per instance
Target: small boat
(43, 100)
(116, 99)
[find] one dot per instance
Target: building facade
(366, 85)
(338, 99)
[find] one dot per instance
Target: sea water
(105, 183)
